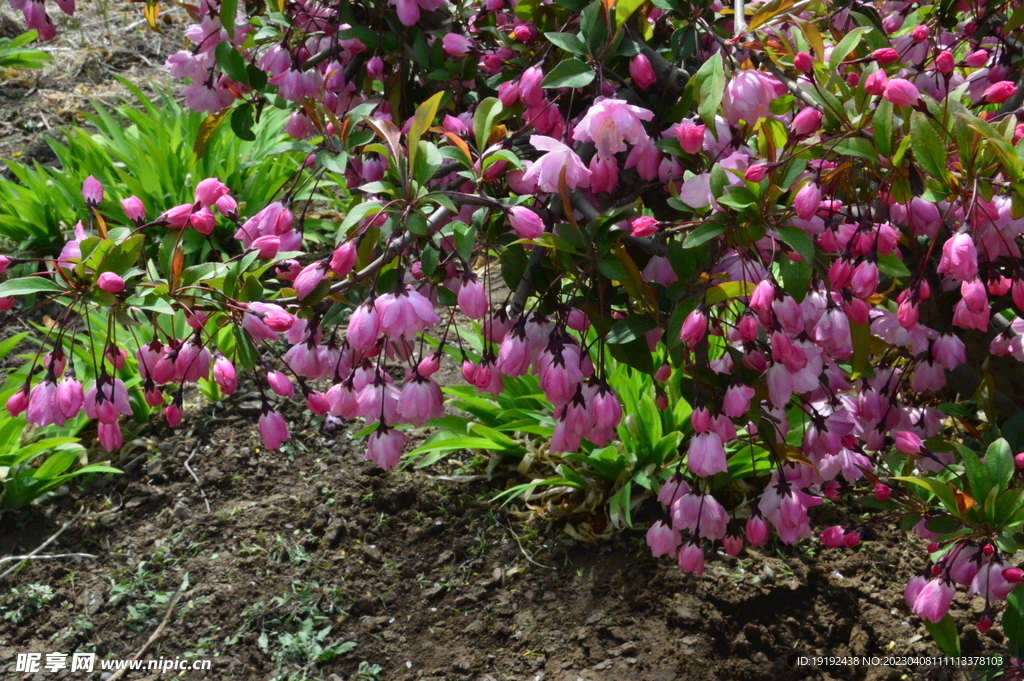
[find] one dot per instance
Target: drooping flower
(546, 171)
(610, 123)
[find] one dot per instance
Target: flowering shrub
(787, 219)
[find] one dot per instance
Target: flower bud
(92, 192)
(110, 282)
(134, 210)
(885, 55)
(944, 62)
(641, 72)
(803, 62)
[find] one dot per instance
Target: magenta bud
(803, 62)
(641, 72)
(134, 210)
(882, 491)
(92, 192)
(110, 282)
(1013, 575)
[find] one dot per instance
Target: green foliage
(142, 149)
(14, 54)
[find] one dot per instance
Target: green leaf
(860, 334)
(710, 87)
(569, 42)
(628, 329)
(242, 122)
(231, 62)
(999, 463)
(483, 121)
(800, 242)
(25, 286)
(705, 232)
(624, 9)
(1013, 620)
(977, 473)
(940, 489)
(569, 73)
(883, 125)
(847, 45)
(945, 635)
(228, 9)
(891, 266)
(424, 118)
(929, 149)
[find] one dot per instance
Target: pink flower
(173, 412)
(737, 398)
(202, 220)
(456, 45)
(404, 313)
(803, 62)
(690, 136)
(297, 85)
(274, 316)
(280, 384)
(384, 446)
(70, 397)
(43, 409)
(109, 436)
(695, 327)
(885, 55)
(641, 72)
(309, 278)
(944, 62)
(807, 201)
(806, 122)
(976, 59)
(960, 257)
(733, 544)
(420, 401)
(1000, 92)
(106, 399)
(92, 192)
(317, 403)
(933, 600)
(110, 282)
(525, 222)
(832, 538)
(949, 351)
(875, 83)
(610, 123)
(224, 375)
(663, 539)
(18, 402)
(546, 171)
(756, 530)
(560, 373)
(644, 225)
(363, 326)
(209, 191)
(706, 455)
(134, 210)
(343, 259)
(691, 558)
(748, 98)
(901, 92)
(472, 299)
(529, 88)
(273, 429)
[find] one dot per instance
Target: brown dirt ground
(425, 576)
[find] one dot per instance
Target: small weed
(29, 600)
(367, 672)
